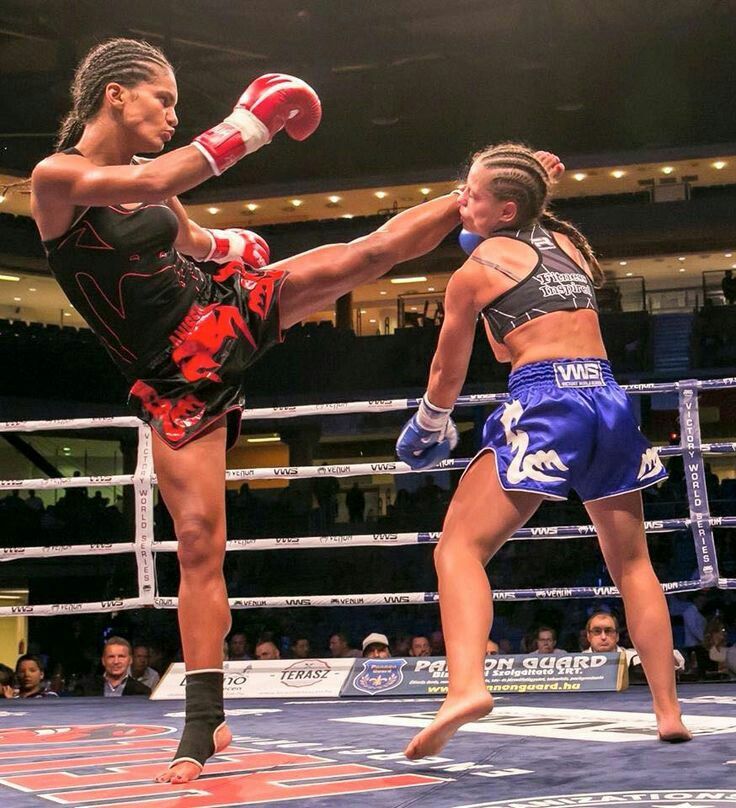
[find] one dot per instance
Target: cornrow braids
(126, 61)
(519, 177)
(551, 222)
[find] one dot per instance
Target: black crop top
(556, 283)
(119, 269)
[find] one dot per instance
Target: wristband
(221, 245)
(239, 134)
(431, 417)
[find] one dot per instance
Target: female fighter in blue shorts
(567, 425)
(184, 310)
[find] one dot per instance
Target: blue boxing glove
(428, 437)
(469, 241)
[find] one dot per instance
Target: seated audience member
(7, 682)
(714, 642)
(694, 620)
(115, 680)
(57, 679)
(545, 640)
(505, 646)
(238, 646)
(340, 647)
(301, 648)
(140, 668)
(375, 646)
(437, 643)
(29, 676)
(602, 629)
(420, 646)
(492, 648)
(267, 650)
(402, 644)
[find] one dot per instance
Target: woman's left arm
(220, 246)
(192, 239)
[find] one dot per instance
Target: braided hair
(518, 176)
(126, 61)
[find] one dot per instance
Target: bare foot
(672, 730)
(183, 772)
(186, 770)
(453, 713)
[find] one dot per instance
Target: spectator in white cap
(375, 646)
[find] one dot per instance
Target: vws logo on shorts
(579, 374)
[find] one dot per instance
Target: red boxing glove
(236, 244)
(284, 102)
(270, 103)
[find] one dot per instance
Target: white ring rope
(145, 548)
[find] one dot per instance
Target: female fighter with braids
(567, 425)
(183, 332)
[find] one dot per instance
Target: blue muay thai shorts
(568, 425)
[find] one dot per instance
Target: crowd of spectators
(705, 636)
(74, 516)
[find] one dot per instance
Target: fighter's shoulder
(56, 169)
(496, 249)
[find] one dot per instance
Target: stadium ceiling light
(347, 216)
(417, 279)
(719, 164)
(297, 203)
(425, 191)
(618, 173)
(334, 199)
(381, 194)
(251, 206)
(9, 278)
(668, 169)
(580, 176)
(213, 211)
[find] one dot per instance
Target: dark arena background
(330, 538)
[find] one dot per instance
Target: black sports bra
(556, 283)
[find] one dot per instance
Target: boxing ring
(533, 751)
(700, 521)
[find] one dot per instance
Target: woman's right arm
(269, 104)
(77, 182)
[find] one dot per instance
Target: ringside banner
(513, 673)
(277, 678)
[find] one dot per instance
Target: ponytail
(551, 222)
(70, 132)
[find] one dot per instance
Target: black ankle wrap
(204, 714)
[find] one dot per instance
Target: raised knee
(201, 541)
